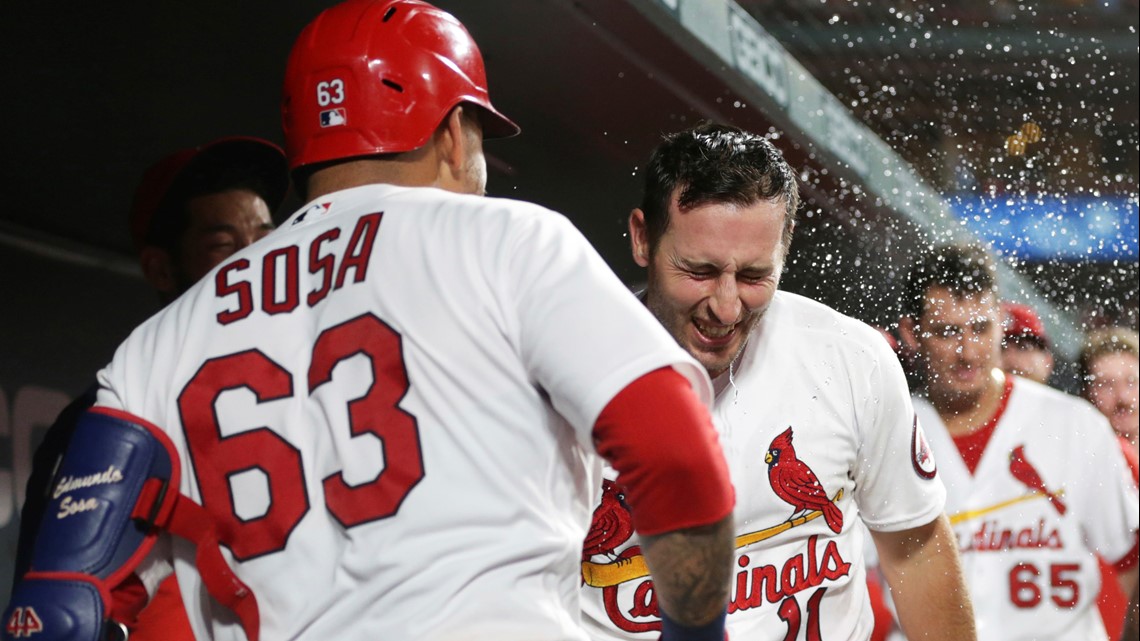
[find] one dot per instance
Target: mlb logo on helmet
(333, 117)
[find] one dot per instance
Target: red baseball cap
(1022, 323)
(263, 158)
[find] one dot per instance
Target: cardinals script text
(753, 587)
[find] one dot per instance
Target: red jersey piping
(971, 446)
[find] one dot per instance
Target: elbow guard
(116, 480)
(116, 490)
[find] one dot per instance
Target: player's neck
(411, 169)
(964, 414)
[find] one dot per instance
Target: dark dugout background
(95, 92)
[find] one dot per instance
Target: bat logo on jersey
(754, 586)
(629, 565)
(634, 609)
(1023, 471)
(920, 455)
(611, 525)
(796, 484)
(999, 534)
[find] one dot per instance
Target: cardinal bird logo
(794, 482)
(611, 525)
(1023, 471)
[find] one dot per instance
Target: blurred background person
(196, 207)
(1036, 484)
(192, 209)
(1025, 348)
(1109, 367)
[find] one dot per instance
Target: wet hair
(962, 268)
(172, 218)
(714, 163)
(1101, 342)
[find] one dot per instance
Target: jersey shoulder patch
(920, 455)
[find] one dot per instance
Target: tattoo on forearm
(691, 571)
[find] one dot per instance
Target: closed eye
(754, 277)
(700, 274)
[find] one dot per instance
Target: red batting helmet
(379, 76)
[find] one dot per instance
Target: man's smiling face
(713, 273)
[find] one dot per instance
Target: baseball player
(1036, 482)
(1025, 349)
(813, 412)
(1109, 370)
(389, 410)
(197, 207)
(1109, 367)
(192, 209)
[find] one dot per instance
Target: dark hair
(713, 163)
(961, 268)
(202, 179)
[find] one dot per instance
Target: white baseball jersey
(1051, 486)
(837, 386)
(388, 404)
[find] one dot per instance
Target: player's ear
(158, 269)
(639, 238)
(908, 333)
(453, 143)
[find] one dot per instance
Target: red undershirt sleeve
(127, 600)
(659, 437)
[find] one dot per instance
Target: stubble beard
(675, 322)
(950, 400)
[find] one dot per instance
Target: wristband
(711, 631)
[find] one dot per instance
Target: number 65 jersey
(1050, 490)
(387, 405)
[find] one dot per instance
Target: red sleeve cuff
(659, 437)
